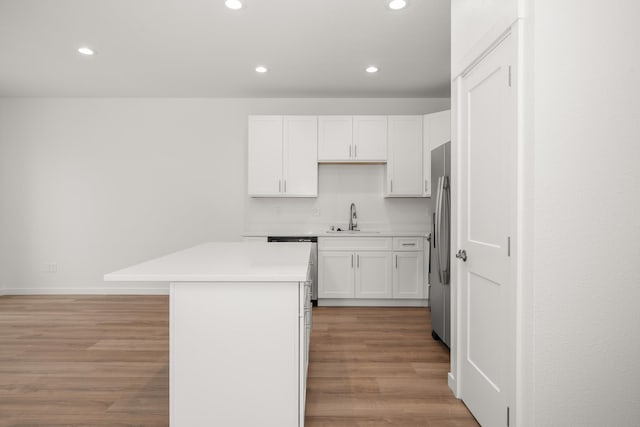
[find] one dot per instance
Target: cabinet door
(300, 150)
(336, 271)
(437, 131)
(370, 138)
(426, 157)
(265, 156)
(335, 138)
(404, 165)
(408, 275)
(373, 275)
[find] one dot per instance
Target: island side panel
(234, 351)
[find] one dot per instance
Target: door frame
(521, 275)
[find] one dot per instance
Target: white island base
(239, 327)
(238, 354)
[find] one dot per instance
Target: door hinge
(508, 416)
(509, 246)
(509, 75)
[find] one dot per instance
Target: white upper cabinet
(282, 156)
(436, 131)
(405, 157)
(300, 155)
(335, 138)
(370, 138)
(265, 156)
(352, 139)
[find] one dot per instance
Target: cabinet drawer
(355, 243)
(408, 243)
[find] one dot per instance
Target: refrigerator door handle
(445, 234)
(438, 234)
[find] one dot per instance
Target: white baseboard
(354, 302)
(451, 381)
(162, 290)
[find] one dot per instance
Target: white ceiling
(199, 48)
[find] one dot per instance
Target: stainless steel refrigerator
(440, 245)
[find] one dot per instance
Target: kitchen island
(239, 326)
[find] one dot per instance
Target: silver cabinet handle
(285, 185)
(396, 261)
(391, 186)
(351, 260)
(279, 186)
(358, 260)
(425, 185)
(408, 244)
(349, 150)
(355, 151)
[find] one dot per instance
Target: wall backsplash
(339, 186)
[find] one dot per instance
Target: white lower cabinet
(370, 268)
(408, 274)
(373, 275)
(336, 278)
(354, 274)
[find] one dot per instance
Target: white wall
(587, 203)
(339, 186)
(476, 24)
(94, 185)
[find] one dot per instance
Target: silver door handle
(462, 254)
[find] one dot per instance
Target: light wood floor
(103, 361)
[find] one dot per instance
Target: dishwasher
(314, 259)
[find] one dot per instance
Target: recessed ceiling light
(233, 4)
(86, 51)
(397, 4)
(261, 69)
(372, 69)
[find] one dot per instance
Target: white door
(335, 138)
(300, 156)
(373, 275)
(404, 165)
(407, 275)
(487, 183)
(336, 272)
(265, 156)
(370, 138)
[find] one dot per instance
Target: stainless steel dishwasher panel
(313, 261)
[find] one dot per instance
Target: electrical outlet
(50, 267)
(315, 211)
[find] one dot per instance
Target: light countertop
(224, 262)
(324, 233)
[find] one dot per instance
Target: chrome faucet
(353, 218)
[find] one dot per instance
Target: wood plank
(103, 361)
